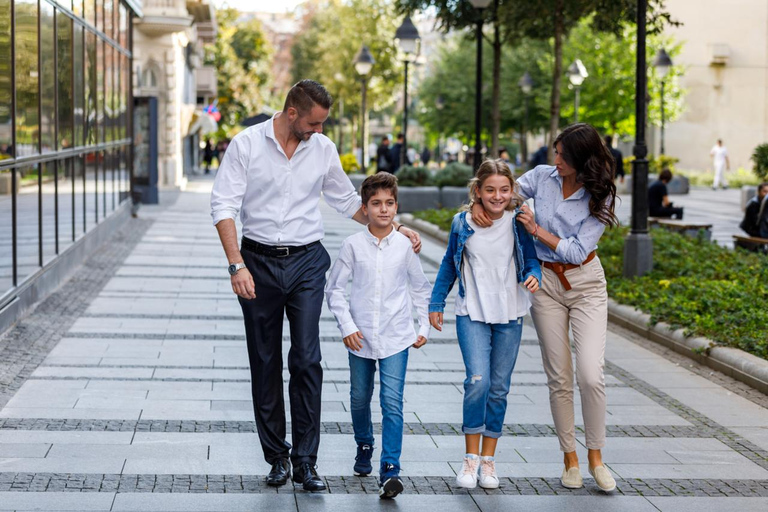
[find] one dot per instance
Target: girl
(574, 203)
(490, 265)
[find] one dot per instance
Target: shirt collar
(576, 195)
(270, 133)
(375, 241)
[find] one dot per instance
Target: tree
(454, 118)
(241, 55)
(608, 95)
(332, 34)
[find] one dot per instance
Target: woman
(574, 202)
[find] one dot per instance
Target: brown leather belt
(560, 268)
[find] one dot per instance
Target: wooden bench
(751, 243)
(682, 227)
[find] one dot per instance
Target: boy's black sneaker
(363, 460)
(390, 484)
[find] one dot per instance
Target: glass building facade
(65, 126)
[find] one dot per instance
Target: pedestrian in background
(395, 152)
(384, 156)
(574, 203)
(721, 163)
(208, 155)
(659, 204)
(618, 158)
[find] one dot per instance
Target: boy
(377, 325)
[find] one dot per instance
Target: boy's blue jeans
(489, 352)
(391, 384)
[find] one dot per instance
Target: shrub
(697, 285)
(760, 159)
(349, 163)
(661, 162)
(411, 176)
(441, 218)
(454, 175)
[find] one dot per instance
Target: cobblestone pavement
(128, 389)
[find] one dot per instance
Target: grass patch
(696, 285)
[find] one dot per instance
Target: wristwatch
(233, 268)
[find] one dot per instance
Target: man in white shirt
(377, 324)
(720, 161)
(272, 175)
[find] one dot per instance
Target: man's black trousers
(294, 285)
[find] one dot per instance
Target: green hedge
(708, 290)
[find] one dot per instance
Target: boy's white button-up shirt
(278, 198)
(387, 284)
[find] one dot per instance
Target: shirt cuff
(226, 213)
(424, 330)
(348, 328)
(437, 307)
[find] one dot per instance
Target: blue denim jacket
(526, 262)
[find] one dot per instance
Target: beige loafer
(571, 478)
(603, 478)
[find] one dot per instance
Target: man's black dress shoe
(306, 474)
(278, 475)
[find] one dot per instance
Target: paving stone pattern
(131, 383)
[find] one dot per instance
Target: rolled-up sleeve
(526, 184)
(230, 183)
(575, 249)
(338, 190)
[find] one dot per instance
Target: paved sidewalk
(128, 390)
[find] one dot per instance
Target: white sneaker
(603, 478)
(571, 478)
(488, 478)
(467, 477)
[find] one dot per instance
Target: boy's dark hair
(305, 94)
(379, 181)
(665, 175)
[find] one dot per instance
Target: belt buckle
(287, 252)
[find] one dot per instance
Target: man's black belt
(275, 251)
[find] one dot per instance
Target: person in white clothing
(720, 161)
(497, 270)
(376, 324)
(273, 175)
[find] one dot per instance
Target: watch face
(232, 270)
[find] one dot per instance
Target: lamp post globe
(363, 64)
(526, 85)
(576, 74)
(408, 40)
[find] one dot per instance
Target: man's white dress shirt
(277, 198)
(387, 283)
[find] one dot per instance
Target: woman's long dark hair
(585, 151)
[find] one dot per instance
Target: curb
(733, 362)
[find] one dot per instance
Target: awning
(202, 122)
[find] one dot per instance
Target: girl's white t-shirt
(491, 292)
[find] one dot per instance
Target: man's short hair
(305, 94)
(400, 135)
(608, 141)
(762, 186)
(665, 175)
(379, 181)
(384, 138)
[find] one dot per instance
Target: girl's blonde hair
(490, 168)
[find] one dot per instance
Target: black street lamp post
(576, 74)
(408, 39)
(662, 63)
(638, 247)
(479, 6)
(526, 85)
(363, 64)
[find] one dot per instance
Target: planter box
(357, 180)
(411, 199)
(747, 193)
(680, 185)
(453, 197)
(6, 183)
